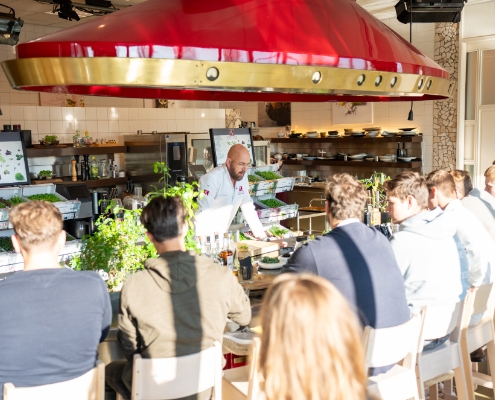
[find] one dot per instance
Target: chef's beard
(236, 177)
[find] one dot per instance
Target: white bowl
(313, 135)
(281, 134)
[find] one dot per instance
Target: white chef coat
(221, 201)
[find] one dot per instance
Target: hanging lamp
(245, 50)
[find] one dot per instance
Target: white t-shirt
(221, 201)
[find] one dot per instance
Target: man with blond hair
(434, 269)
(357, 259)
(52, 318)
(490, 180)
(479, 202)
(476, 241)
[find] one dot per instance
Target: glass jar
(135, 201)
(102, 169)
(93, 168)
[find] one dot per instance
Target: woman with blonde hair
(310, 343)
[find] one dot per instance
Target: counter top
(349, 139)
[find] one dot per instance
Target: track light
(10, 27)
(66, 11)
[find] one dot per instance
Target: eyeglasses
(242, 165)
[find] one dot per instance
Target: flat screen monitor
(13, 163)
(222, 139)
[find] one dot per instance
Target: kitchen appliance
(78, 192)
(200, 145)
(379, 65)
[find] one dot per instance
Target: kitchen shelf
(348, 139)
(339, 163)
(96, 182)
(73, 151)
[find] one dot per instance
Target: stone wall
(445, 111)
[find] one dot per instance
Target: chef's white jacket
(221, 201)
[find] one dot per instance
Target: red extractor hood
(246, 50)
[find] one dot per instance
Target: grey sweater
(178, 306)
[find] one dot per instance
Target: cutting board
(41, 182)
(256, 248)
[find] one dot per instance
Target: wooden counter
(261, 282)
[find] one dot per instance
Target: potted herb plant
(51, 139)
(45, 174)
(374, 184)
(120, 247)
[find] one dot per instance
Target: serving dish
(386, 133)
(375, 128)
(358, 134)
(407, 133)
(271, 266)
(312, 135)
(357, 156)
(407, 129)
(309, 158)
(369, 159)
(406, 159)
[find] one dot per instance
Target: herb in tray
(276, 231)
(45, 197)
(15, 200)
(253, 178)
(269, 175)
(272, 203)
(6, 243)
(270, 260)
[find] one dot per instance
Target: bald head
(237, 162)
(238, 151)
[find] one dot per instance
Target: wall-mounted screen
(13, 163)
(222, 139)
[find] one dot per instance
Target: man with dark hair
(179, 303)
(357, 259)
(52, 319)
(427, 254)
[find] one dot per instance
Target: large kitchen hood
(246, 50)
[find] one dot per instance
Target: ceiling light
(10, 27)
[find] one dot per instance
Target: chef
(226, 188)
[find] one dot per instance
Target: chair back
(441, 320)
(176, 377)
(484, 299)
(387, 346)
(90, 386)
(254, 374)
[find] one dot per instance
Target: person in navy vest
(356, 259)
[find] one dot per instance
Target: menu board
(222, 139)
(13, 163)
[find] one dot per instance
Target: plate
(385, 133)
(309, 158)
(271, 266)
(406, 129)
(369, 159)
(375, 128)
(406, 159)
(358, 134)
(385, 159)
(408, 133)
(333, 132)
(357, 156)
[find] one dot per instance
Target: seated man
(477, 243)
(357, 259)
(480, 203)
(425, 248)
(52, 319)
(490, 180)
(179, 304)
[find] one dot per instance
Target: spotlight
(66, 11)
(10, 27)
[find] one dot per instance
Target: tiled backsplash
(109, 122)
